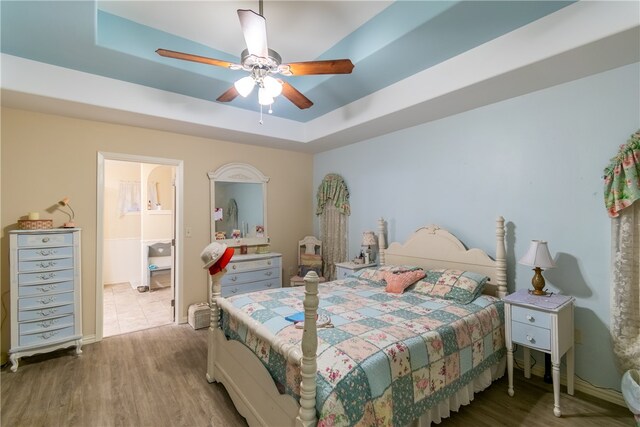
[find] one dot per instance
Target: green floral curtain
(622, 177)
(333, 188)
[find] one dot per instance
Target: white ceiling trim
(26, 82)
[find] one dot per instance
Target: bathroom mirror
(238, 205)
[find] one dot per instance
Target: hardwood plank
(156, 377)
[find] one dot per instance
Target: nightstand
(543, 323)
(343, 269)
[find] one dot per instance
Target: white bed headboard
(433, 247)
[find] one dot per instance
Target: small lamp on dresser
(538, 256)
(368, 241)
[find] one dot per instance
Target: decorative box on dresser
(252, 272)
(45, 291)
(344, 269)
(543, 323)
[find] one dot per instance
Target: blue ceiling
(405, 38)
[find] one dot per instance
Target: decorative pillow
(398, 281)
(311, 260)
(460, 286)
(376, 275)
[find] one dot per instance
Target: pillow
(398, 281)
(311, 260)
(456, 285)
(376, 274)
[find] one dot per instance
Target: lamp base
(69, 224)
(538, 282)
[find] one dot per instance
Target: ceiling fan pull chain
(261, 122)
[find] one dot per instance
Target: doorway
(138, 262)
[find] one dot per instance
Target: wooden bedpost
(501, 259)
(308, 366)
(214, 323)
(382, 241)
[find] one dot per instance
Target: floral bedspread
(388, 357)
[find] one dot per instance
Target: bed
(385, 359)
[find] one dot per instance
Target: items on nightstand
(543, 323)
(538, 257)
(369, 242)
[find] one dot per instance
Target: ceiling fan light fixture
(263, 97)
(272, 86)
(245, 85)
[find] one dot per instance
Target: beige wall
(45, 157)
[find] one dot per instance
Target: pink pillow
(399, 281)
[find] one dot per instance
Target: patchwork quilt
(388, 357)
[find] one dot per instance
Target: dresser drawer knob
(234, 278)
(47, 300)
(45, 239)
(530, 318)
(47, 288)
(530, 338)
(269, 285)
(233, 291)
(269, 262)
(234, 266)
(268, 273)
(48, 323)
(47, 252)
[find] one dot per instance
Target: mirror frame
(244, 173)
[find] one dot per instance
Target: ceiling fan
(262, 63)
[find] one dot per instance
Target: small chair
(309, 258)
(159, 259)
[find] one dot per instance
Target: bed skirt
(462, 397)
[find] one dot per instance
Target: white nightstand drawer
(250, 276)
(531, 336)
(531, 317)
(229, 291)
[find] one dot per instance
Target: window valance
(333, 188)
(622, 177)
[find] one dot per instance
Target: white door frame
(179, 164)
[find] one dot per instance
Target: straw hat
(216, 256)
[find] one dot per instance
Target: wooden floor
(156, 377)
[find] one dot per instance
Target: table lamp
(368, 240)
(538, 257)
(65, 203)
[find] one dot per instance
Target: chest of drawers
(45, 292)
(252, 272)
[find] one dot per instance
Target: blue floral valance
(622, 177)
(333, 188)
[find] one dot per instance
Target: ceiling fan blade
(195, 58)
(229, 95)
(293, 95)
(333, 66)
(254, 28)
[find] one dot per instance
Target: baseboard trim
(607, 394)
(89, 339)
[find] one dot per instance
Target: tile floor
(127, 310)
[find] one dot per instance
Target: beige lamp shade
(369, 238)
(538, 255)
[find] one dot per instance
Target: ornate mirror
(238, 205)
